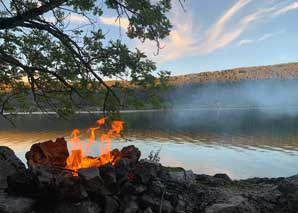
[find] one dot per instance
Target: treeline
(280, 71)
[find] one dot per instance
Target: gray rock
(132, 153)
(92, 180)
(111, 205)
(146, 170)
(148, 210)
(187, 177)
(224, 177)
(12, 204)
(166, 207)
(107, 172)
(85, 206)
(132, 207)
(235, 204)
(157, 187)
(289, 198)
(9, 165)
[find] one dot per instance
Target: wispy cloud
(219, 26)
(187, 39)
(270, 35)
(73, 18)
(286, 9)
(113, 21)
(260, 39)
(181, 41)
(215, 37)
(244, 42)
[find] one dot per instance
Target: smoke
(261, 95)
(244, 106)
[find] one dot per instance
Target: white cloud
(283, 10)
(186, 39)
(220, 24)
(270, 35)
(244, 42)
(260, 39)
(113, 21)
(73, 18)
(181, 41)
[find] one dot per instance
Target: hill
(279, 72)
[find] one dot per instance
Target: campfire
(63, 176)
(80, 152)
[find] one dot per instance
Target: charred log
(48, 153)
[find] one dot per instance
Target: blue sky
(216, 35)
(219, 34)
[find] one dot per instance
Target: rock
(166, 206)
(157, 204)
(85, 206)
(121, 169)
(180, 206)
(218, 180)
(157, 187)
(89, 173)
(139, 189)
(235, 204)
(289, 199)
(13, 204)
(146, 170)
(149, 201)
(107, 172)
(23, 183)
(111, 205)
(70, 189)
(48, 153)
(92, 180)
(148, 210)
(132, 153)
(187, 177)
(131, 207)
(9, 165)
(224, 177)
(42, 183)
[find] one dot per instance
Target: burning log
(48, 153)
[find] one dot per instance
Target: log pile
(131, 185)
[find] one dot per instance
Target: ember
(79, 157)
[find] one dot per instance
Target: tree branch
(14, 21)
(71, 46)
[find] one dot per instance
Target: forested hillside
(280, 71)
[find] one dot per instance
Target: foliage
(47, 63)
(154, 156)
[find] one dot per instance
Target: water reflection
(240, 143)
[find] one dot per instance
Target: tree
(47, 62)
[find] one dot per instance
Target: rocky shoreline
(132, 185)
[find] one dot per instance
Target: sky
(215, 35)
(211, 35)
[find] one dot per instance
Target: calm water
(241, 143)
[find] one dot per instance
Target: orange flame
(78, 158)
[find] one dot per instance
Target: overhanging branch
(14, 21)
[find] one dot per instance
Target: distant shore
(200, 108)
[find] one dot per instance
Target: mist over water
(242, 129)
(264, 100)
(282, 94)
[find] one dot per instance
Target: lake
(240, 142)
